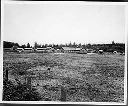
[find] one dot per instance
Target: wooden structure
(90, 50)
(115, 52)
(71, 50)
(100, 51)
(7, 49)
(42, 50)
(19, 49)
(28, 50)
(45, 50)
(63, 94)
(28, 80)
(82, 51)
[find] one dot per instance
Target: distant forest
(120, 47)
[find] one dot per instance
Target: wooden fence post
(6, 75)
(29, 82)
(63, 94)
(28, 79)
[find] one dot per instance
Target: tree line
(120, 47)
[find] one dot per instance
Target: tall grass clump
(20, 92)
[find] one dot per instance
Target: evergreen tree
(28, 45)
(23, 46)
(74, 45)
(35, 45)
(113, 42)
(79, 45)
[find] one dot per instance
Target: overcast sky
(64, 22)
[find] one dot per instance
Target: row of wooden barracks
(51, 50)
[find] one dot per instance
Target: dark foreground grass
(20, 92)
(71, 77)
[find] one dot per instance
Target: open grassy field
(67, 77)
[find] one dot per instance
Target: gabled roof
(19, 48)
(89, 49)
(46, 48)
(101, 50)
(41, 48)
(70, 48)
(7, 48)
(28, 48)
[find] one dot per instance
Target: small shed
(115, 52)
(101, 51)
(90, 50)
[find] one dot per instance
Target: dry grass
(84, 77)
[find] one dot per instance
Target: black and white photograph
(64, 52)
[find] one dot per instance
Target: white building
(28, 49)
(20, 49)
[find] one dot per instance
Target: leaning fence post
(28, 81)
(63, 94)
